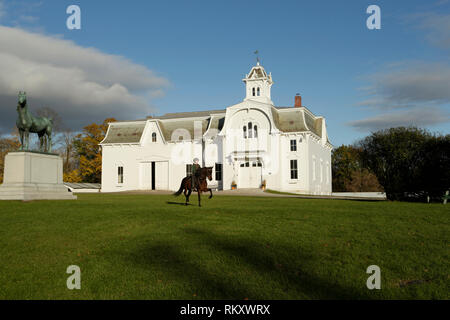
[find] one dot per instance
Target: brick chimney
(298, 100)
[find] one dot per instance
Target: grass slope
(150, 247)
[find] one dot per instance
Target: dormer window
(253, 92)
(258, 91)
(154, 137)
(250, 131)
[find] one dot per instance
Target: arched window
(154, 137)
(258, 92)
(250, 130)
(253, 91)
(255, 130)
(245, 132)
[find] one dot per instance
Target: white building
(248, 144)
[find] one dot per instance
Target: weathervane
(257, 57)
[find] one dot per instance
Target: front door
(154, 175)
(250, 174)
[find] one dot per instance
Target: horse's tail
(176, 194)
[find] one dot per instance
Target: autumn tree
(87, 149)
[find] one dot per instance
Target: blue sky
(195, 54)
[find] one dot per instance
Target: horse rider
(195, 171)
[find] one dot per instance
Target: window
(218, 172)
(314, 169)
(258, 92)
(245, 132)
(253, 91)
(247, 164)
(120, 174)
(180, 138)
(321, 170)
(255, 131)
(154, 137)
(293, 145)
(294, 170)
(250, 130)
(188, 170)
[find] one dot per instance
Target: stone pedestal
(33, 176)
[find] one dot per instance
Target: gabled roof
(124, 132)
(168, 127)
(215, 125)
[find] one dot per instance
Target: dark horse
(27, 123)
(186, 185)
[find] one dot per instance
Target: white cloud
(418, 116)
(436, 26)
(81, 84)
(408, 84)
(409, 93)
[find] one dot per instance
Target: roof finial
(257, 57)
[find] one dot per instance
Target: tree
(63, 142)
(362, 180)
(86, 146)
(349, 175)
(396, 157)
(435, 166)
(67, 151)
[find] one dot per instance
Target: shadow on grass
(282, 273)
(178, 203)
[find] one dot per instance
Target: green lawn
(150, 247)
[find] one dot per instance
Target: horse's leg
(199, 197)
(210, 191)
(185, 194)
(189, 194)
(21, 135)
(41, 143)
(48, 147)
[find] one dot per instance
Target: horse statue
(186, 185)
(27, 123)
